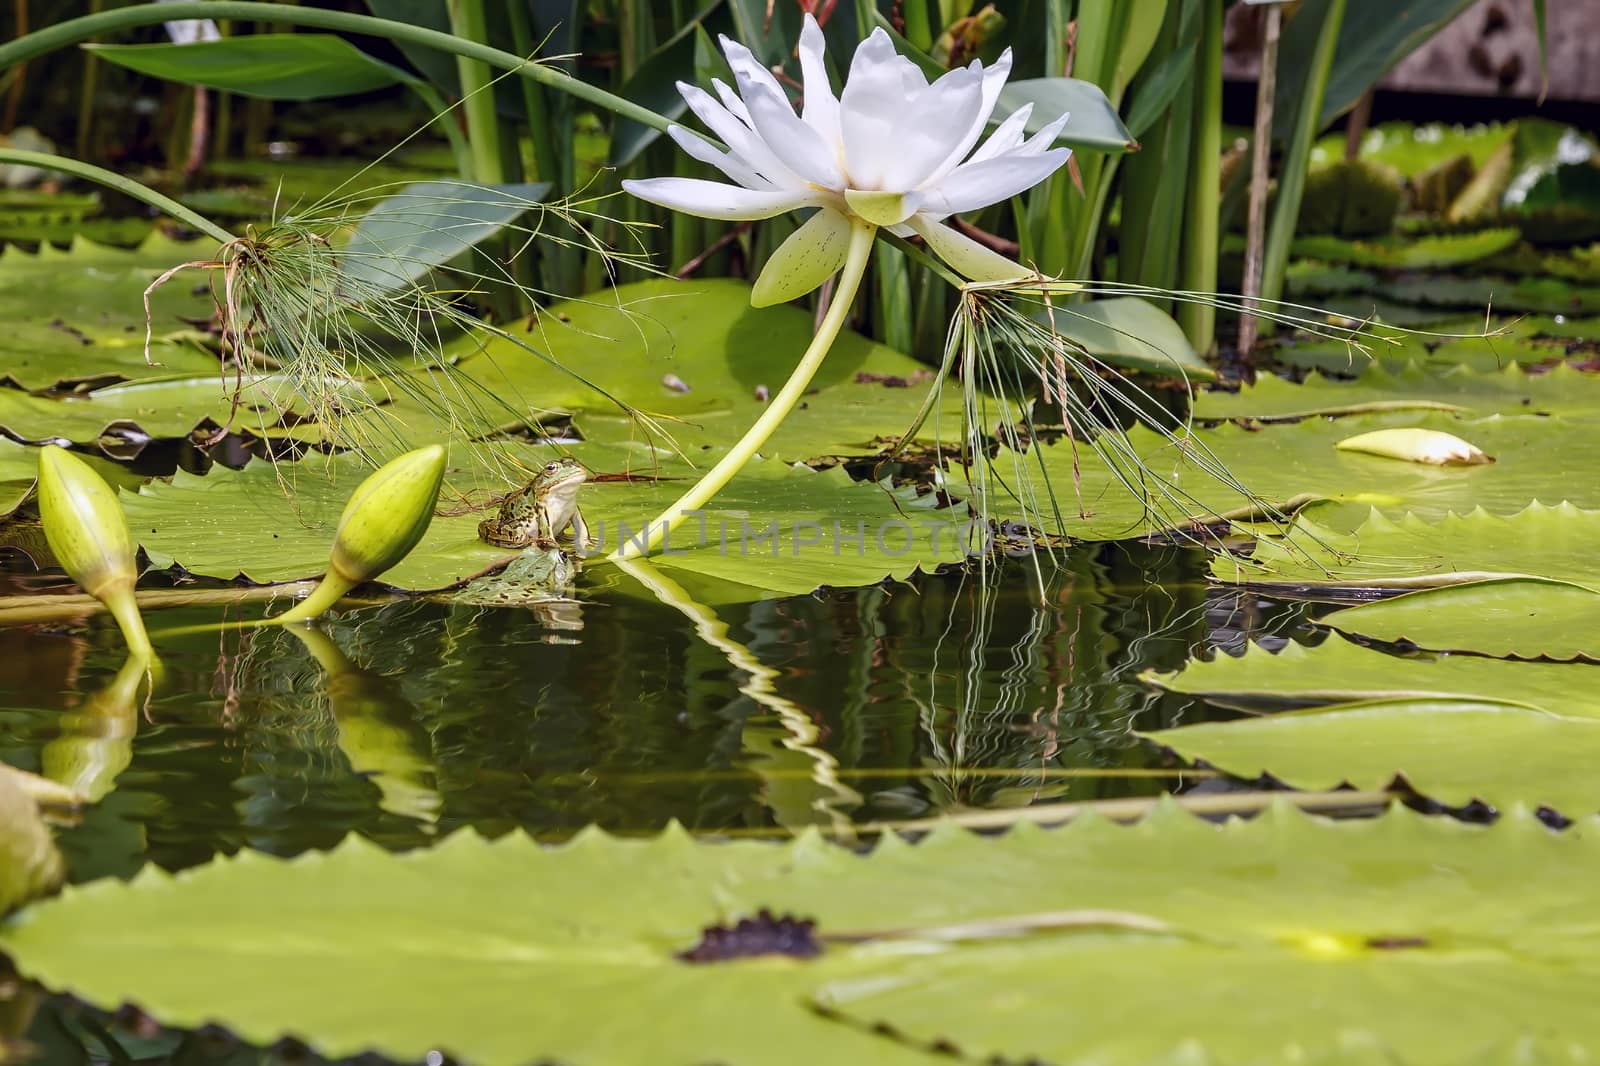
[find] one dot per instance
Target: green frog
(541, 511)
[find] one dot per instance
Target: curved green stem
(844, 294)
(112, 180)
(72, 31)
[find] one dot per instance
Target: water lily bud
(1417, 446)
(30, 865)
(86, 530)
(385, 518)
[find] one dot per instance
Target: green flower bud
(86, 530)
(385, 518)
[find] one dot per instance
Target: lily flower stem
(844, 294)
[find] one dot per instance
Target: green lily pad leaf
(1550, 296)
(696, 356)
(77, 316)
(1551, 542)
(1453, 751)
(1517, 617)
(1408, 253)
(426, 225)
(276, 66)
(773, 530)
(1411, 148)
(1129, 332)
(1081, 495)
(1274, 911)
(122, 419)
(1337, 671)
(1513, 390)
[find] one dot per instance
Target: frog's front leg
(580, 531)
(544, 533)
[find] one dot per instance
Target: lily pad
(78, 315)
(1562, 390)
(1550, 542)
(1453, 751)
(1538, 295)
(124, 418)
(1524, 618)
(696, 357)
(1546, 459)
(1338, 671)
(1408, 253)
(1274, 912)
(774, 529)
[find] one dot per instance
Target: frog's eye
(551, 467)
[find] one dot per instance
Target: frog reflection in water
(542, 510)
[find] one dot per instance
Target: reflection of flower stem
(801, 733)
(855, 265)
(96, 741)
(377, 746)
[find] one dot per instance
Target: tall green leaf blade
(428, 224)
(1130, 332)
(277, 66)
(1376, 35)
(1094, 124)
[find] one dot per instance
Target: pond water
(409, 720)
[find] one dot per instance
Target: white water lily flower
(892, 151)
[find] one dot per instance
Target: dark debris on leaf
(765, 934)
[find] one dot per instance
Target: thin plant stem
(468, 21)
(855, 266)
(1260, 162)
(799, 732)
(73, 31)
(1199, 272)
(125, 185)
(1297, 159)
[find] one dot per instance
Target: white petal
(790, 139)
(1044, 138)
(713, 199)
(798, 145)
(746, 67)
(971, 259)
(812, 254)
(994, 79)
(697, 147)
(1007, 136)
(931, 126)
(821, 111)
(871, 110)
(731, 101)
(744, 142)
(974, 185)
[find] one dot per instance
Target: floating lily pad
(1562, 390)
(78, 315)
(1550, 542)
(696, 357)
(1517, 617)
(124, 418)
(1544, 459)
(774, 529)
(1539, 295)
(1276, 911)
(1453, 751)
(1337, 671)
(1408, 253)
